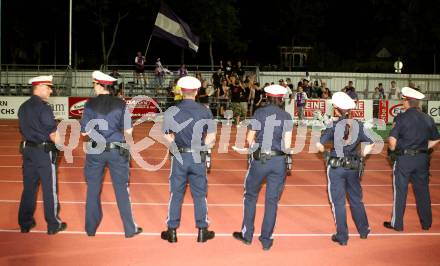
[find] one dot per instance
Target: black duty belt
(349, 162)
(266, 155)
(37, 145)
(109, 145)
(187, 150)
(412, 152)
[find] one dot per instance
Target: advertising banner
(363, 110)
(389, 109)
(434, 110)
(138, 108)
(9, 107)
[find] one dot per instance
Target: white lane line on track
(183, 234)
(210, 184)
(217, 204)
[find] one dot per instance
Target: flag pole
(148, 45)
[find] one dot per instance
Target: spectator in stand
(256, 97)
(412, 85)
(199, 76)
(289, 83)
(182, 71)
(202, 95)
(351, 91)
(380, 91)
(307, 88)
(159, 73)
(118, 85)
(216, 79)
(236, 98)
(316, 90)
(245, 97)
(177, 92)
(222, 67)
(394, 91)
(239, 70)
(228, 70)
(140, 61)
(223, 96)
(326, 93)
(287, 98)
(300, 99)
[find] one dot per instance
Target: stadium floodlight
(398, 65)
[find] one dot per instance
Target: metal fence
(73, 82)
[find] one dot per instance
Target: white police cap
(102, 78)
(41, 80)
(343, 101)
(412, 94)
(188, 83)
(275, 90)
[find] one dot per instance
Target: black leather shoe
(426, 228)
(389, 226)
(335, 239)
(266, 248)
(90, 234)
(27, 229)
(364, 236)
(138, 231)
(170, 235)
(205, 235)
(60, 228)
(239, 236)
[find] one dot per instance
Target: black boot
(239, 236)
(61, 227)
(170, 235)
(205, 235)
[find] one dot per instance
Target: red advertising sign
(311, 106)
(76, 106)
(358, 112)
(137, 108)
(383, 110)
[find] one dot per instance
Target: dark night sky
(345, 35)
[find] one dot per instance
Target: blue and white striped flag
(170, 27)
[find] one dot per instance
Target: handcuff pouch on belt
(351, 163)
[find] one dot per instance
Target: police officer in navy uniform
(269, 138)
(105, 121)
(38, 130)
(190, 129)
(413, 134)
(344, 165)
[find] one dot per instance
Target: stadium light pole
(70, 34)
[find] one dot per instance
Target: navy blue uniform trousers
(194, 174)
(37, 165)
(119, 172)
(414, 169)
(274, 171)
(340, 183)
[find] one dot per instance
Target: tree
(218, 23)
(108, 19)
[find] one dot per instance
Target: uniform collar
(37, 98)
